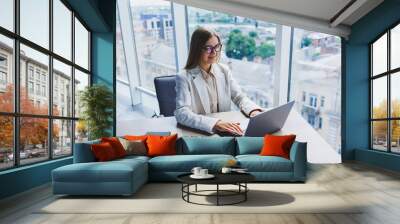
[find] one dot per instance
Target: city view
(34, 99)
(385, 123)
(41, 125)
(249, 48)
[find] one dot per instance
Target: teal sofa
(125, 176)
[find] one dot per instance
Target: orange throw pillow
(277, 145)
(116, 145)
(135, 137)
(161, 145)
(103, 152)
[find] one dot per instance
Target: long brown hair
(199, 38)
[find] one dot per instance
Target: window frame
(16, 114)
(388, 74)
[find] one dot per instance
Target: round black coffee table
(238, 179)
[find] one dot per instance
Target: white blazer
(192, 99)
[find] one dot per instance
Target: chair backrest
(166, 95)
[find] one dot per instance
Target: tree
(81, 129)
(240, 46)
(33, 131)
(253, 34)
(265, 50)
(97, 104)
(380, 127)
(305, 42)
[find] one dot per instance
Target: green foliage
(305, 42)
(97, 104)
(253, 34)
(265, 50)
(269, 38)
(236, 31)
(380, 127)
(240, 46)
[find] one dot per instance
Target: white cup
(196, 171)
(226, 170)
(203, 172)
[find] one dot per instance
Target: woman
(208, 87)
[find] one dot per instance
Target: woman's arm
(239, 97)
(183, 112)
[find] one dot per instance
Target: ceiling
(321, 9)
(326, 16)
(317, 9)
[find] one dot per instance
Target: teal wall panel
(91, 13)
(357, 101)
(103, 63)
(24, 178)
(377, 158)
(103, 58)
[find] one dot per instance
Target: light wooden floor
(378, 188)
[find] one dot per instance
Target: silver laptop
(269, 121)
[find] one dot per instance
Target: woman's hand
(230, 127)
(254, 113)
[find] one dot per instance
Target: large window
(34, 26)
(272, 63)
(38, 124)
(153, 27)
(248, 50)
(385, 95)
(315, 82)
(7, 14)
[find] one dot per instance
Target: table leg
(245, 193)
(217, 194)
(188, 190)
(196, 188)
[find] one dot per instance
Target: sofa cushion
(111, 171)
(136, 137)
(277, 145)
(116, 145)
(208, 145)
(103, 152)
(185, 163)
(134, 147)
(83, 152)
(249, 145)
(132, 158)
(161, 145)
(257, 163)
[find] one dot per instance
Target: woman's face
(211, 51)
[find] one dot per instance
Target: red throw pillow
(161, 145)
(103, 152)
(135, 137)
(116, 145)
(275, 145)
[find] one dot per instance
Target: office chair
(166, 95)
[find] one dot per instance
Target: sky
(35, 27)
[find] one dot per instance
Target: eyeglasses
(209, 49)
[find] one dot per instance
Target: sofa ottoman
(119, 177)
